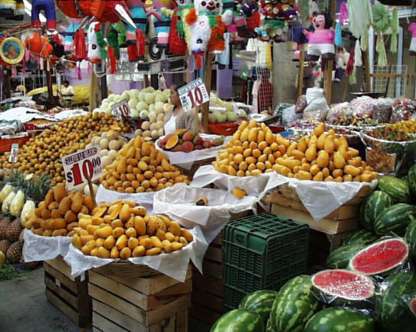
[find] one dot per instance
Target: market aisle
(23, 307)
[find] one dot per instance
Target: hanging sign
(121, 110)
(82, 166)
(13, 153)
(193, 94)
(12, 50)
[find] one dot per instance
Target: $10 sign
(82, 166)
(193, 94)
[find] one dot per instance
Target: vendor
(181, 119)
(66, 94)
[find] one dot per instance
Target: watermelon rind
(372, 207)
(238, 320)
(361, 236)
(410, 238)
(411, 179)
(340, 257)
(340, 320)
(397, 189)
(259, 302)
(390, 264)
(293, 306)
(393, 310)
(394, 219)
(335, 289)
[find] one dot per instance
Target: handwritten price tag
(81, 166)
(121, 110)
(13, 153)
(193, 94)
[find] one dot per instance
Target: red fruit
(207, 144)
(177, 148)
(188, 136)
(187, 146)
(198, 140)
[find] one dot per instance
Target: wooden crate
(208, 289)
(126, 298)
(196, 165)
(68, 294)
(285, 202)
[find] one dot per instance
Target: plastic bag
(340, 114)
(174, 264)
(104, 195)
(42, 248)
(317, 108)
(179, 203)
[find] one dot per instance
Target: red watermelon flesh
(344, 284)
(412, 305)
(380, 257)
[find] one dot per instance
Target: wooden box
(285, 202)
(68, 294)
(126, 298)
(208, 289)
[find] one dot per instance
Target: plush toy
(321, 41)
(48, 7)
(7, 8)
(96, 44)
(136, 37)
(200, 29)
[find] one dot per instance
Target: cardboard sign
(193, 94)
(81, 166)
(121, 110)
(13, 153)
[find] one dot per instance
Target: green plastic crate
(262, 252)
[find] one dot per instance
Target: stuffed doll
(96, 44)
(48, 7)
(7, 8)
(136, 37)
(321, 41)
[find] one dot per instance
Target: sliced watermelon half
(380, 257)
(412, 305)
(344, 284)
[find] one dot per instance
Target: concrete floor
(24, 308)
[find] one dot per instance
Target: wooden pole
(301, 72)
(208, 81)
(366, 68)
(49, 82)
(329, 65)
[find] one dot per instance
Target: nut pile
(138, 168)
(57, 214)
(42, 154)
(123, 230)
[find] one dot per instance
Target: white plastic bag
(317, 108)
(104, 195)
(42, 248)
(174, 265)
(179, 203)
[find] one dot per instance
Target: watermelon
(361, 236)
(372, 207)
(340, 320)
(259, 302)
(238, 320)
(393, 310)
(340, 257)
(410, 237)
(380, 257)
(293, 307)
(411, 180)
(396, 188)
(343, 286)
(394, 219)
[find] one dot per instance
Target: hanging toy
(39, 45)
(247, 18)
(321, 41)
(161, 14)
(68, 32)
(96, 44)
(48, 7)
(412, 29)
(200, 32)
(80, 45)
(7, 8)
(176, 42)
(136, 37)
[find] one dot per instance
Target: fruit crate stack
(208, 288)
(68, 294)
(262, 252)
(284, 202)
(127, 297)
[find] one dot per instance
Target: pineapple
(14, 253)
(4, 224)
(37, 187)
(13, 230)
(4, 245)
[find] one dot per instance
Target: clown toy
(48, 7)
(321, 40)
(96, 44)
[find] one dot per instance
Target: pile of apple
(183, 140)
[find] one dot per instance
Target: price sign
(193, 94)
(13, 153)
(121, 110)
(81, 166)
